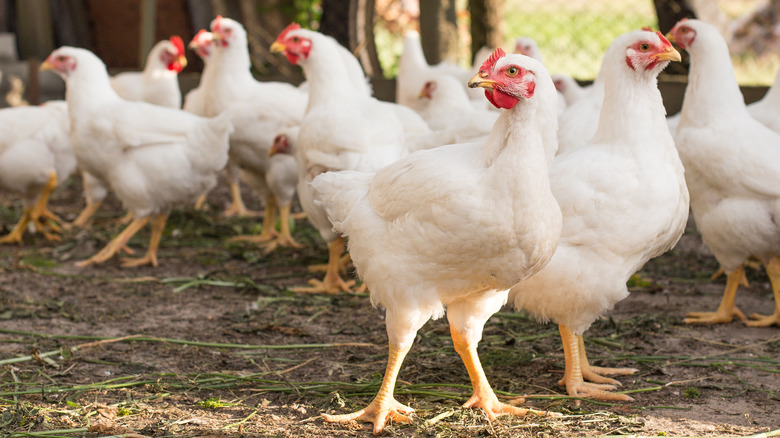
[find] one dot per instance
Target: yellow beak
(479, 81)
(182, 60)
(278, 47)
(46, 66)
(670, 54)
(670, 37)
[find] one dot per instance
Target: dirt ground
(211, 343)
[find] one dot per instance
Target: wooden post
(147, 31)
(34, 29)
(487, 24)
(438, 30)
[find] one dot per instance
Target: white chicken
(732, 166)
(453, 227)
(450, 112)
(578, 122)
(35, 156)
(281, 179)
(152, 157)
(344, 129)
(624, 201)
(259, 111)
(767, 110)
(158, 83)
(414, 71)
(529, 47)
(195, 100)
(571, 90)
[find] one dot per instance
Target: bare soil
(226, 350)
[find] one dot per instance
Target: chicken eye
(62, 58)
(644, 47)
(683, 30)
(512, 71)
(295, 39)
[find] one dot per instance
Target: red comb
(291, 27)
(198, 35)
(178, 43)
(495, 56)
(217, 23)
(664, 42)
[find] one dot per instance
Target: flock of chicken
(532, 190)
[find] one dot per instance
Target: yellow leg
(15, 236)
(344, 262)
(384, 407)
(332, 283)
(116, 244)
(575, 385)
(743, 281)
(773, 271)
(726, 310)
(126, 219)
(39, 210)
(268, 232)
(237, 207)
(596, 374)
(200, 203)
(483, 396)
(284, 237)
(158, 225)
(86, 214)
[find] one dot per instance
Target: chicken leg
(34, 214)
(384, 407)
(332, 283)
(150, 258)
(284, 237)
(237, 207)
(773, 271)
(15, 236)
(116, 244)
(86, 214)
(727, 310)
(269, 231)
(483, 395)
(596, 374)
(573, 376)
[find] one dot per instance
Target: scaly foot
(494, 408)
(595, 391)
(280, 240)
(139, 261)
(240, 211)
(759, 320)
(378, 413)
(719, 317)
(597, 374)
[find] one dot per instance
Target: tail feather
(339, 193)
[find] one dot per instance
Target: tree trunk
(438, 30)
(487, 24)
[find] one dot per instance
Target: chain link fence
(573, 35)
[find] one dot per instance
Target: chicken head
(646, 54)
(505, 83)
(293, 46)
(201, 43)
(682, 34)
(173, 56)
(223, 31)
(61, 62)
